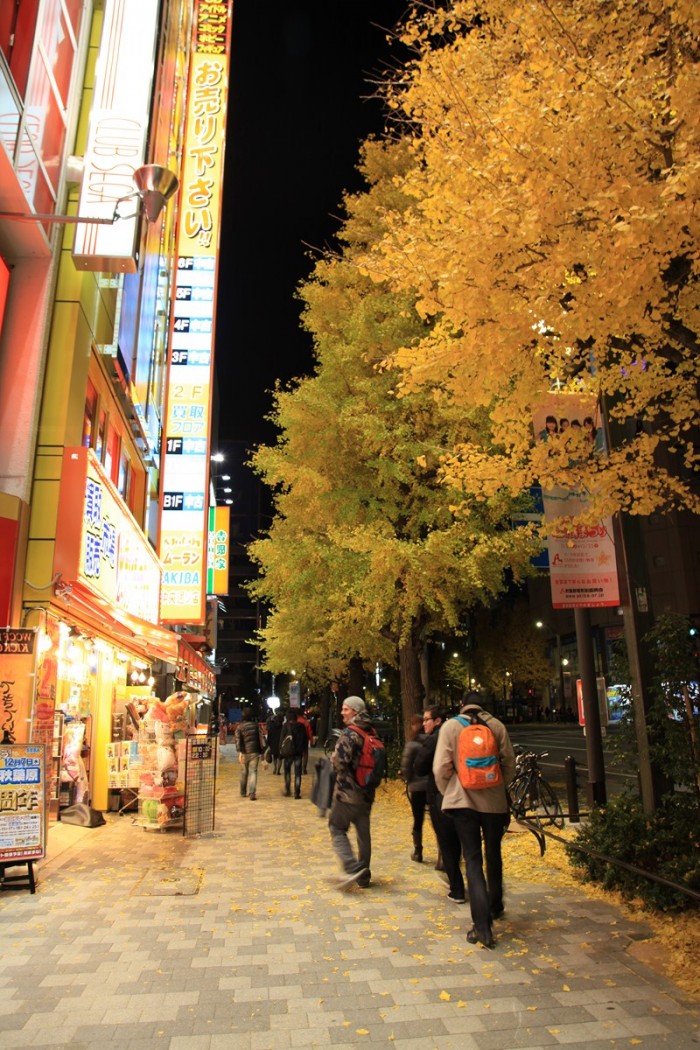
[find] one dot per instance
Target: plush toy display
(162, 801)
(72, 766)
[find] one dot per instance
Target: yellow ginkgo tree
(551, 239)
(364, 557)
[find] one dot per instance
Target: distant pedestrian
(293, 729)
(308, 742)
(477, 813)
(415, 786)
(351, 804)
(444, 827)
(250, 744)
(274, 728)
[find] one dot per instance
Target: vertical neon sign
(185, 473)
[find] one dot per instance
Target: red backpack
(371, 765)
(478, 764)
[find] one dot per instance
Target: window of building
(89, 416)
(112, 447)
(99, 442)
(124, 480)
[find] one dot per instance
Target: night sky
(298, 111)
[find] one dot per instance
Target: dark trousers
(485, 891)
(417, 800)
(450, 847)
(288, 775)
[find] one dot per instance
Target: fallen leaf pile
(674, 947)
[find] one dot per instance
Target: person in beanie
(351, 803)
(477, 814)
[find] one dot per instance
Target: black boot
(417, 854)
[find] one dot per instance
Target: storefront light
(134, 676)
(45, 643)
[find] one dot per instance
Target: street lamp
(154, 188)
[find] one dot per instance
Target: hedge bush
(667, 845)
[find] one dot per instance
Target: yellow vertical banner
(186, 440)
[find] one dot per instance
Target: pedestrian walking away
(352, 804)
(292, 740)
(250, 744)
(478, 812)
(416, 787)
(274, 728)
(449, 845)
(308, 741)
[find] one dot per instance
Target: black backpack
(286, 741)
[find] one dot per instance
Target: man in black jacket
(443, 826)
(293, 755)
(250, 744)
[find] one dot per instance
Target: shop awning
(147, 640)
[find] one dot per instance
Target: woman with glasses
(445, 832)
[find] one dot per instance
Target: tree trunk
(356, 677)
(322, 723)
(412, 694)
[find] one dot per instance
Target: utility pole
(591, 709)
(638, 621)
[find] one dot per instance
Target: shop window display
(162, 757)
(73, 770)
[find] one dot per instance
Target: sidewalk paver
(257, 949)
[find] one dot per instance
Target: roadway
(560, 740)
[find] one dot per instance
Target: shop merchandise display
(161, 748)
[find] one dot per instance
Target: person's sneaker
(456, 900)
(253, 797)
(351, 877)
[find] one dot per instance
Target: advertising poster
(582, 562)
(17, 663)
(22, 809)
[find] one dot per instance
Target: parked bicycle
(531, 796)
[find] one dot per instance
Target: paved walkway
(240, 940)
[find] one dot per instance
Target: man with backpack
(474, 760)
(358, 764)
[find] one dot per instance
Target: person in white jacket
(479, 813)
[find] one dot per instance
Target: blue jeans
(249, 774)
(341, 816)
(297, 760)
(485, 891)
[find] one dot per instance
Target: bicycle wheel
(547, 806)
(519, 792)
